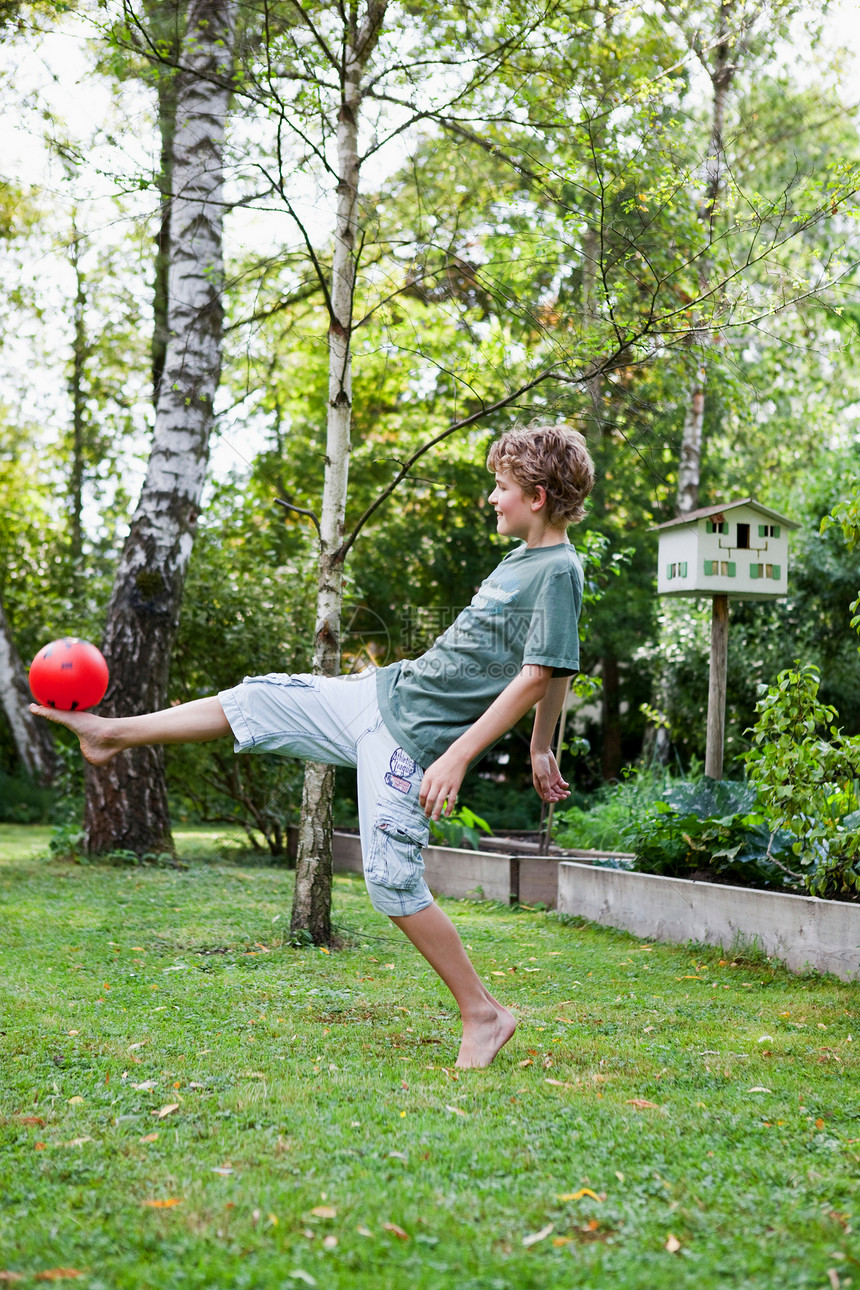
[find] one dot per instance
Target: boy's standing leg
(394, 829)
(487, 1025)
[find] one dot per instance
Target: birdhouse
(737, 549)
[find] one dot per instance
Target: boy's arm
(546, 775)
(443, 777)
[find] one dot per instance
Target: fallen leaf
(673, 1245)
(58, 1274)
(163, 1204)
(559, 1083)
(330, 1242)
(145, 1086)
(32, 1119)
(396, 1231)
(132, 1048)
(11, 1276)
(324, 1211)
(299, 1274)
(758, 1089)
(166, 1110)
(40, 1146)
(641, 1104)
(455, 1110)
(78, 1142)
(148, 1137)
(364, 1231)
(223, 1170)
(578, 1195)
(539, 1236)
(559, 1241)
(77, 1100)
(528, 1062)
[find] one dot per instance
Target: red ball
(69, 674)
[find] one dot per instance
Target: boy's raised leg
(103, 737)
(487, 1026)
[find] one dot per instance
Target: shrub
(712, 829)
(22, 801)
(602, 823)
(807, 783)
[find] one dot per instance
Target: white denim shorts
(337, 720)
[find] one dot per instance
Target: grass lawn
(187, 1101)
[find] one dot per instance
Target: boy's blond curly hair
(552, 456)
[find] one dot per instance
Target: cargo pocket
(395, 858)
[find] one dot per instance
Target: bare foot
(97, 744)
(484, 1037)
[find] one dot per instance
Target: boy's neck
(542, 534)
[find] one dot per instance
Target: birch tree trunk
(311, 911)
(34, 741)
(126, 802)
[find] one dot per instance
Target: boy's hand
(546, 777)
(441, 784)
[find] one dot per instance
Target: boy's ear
(538, 498)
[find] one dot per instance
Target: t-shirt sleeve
(553, 636)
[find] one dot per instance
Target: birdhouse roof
(704, 512)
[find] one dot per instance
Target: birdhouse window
(768, 530)
(766, 571)
(743, 537)
(678, 570)
(720, 568)
(716, 526)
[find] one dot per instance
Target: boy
(413, 728)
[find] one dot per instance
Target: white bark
(127, 802)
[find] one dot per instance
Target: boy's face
(516, 513)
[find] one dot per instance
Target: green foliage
(711, 829)
(846, 514)
(462, 828)
(807, 782)
(22, 801)
(602, 822)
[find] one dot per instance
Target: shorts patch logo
(402, 764)
(401, 772)
(402, 785)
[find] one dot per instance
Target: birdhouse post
(734, 551)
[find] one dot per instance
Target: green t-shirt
(526, 611)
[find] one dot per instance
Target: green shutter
(733, 568)
(762, 530)
(755, 569)
(709, 528)
(776, 571)
(682, 569)
(775, 530)
(709, 568)
(668, 571)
